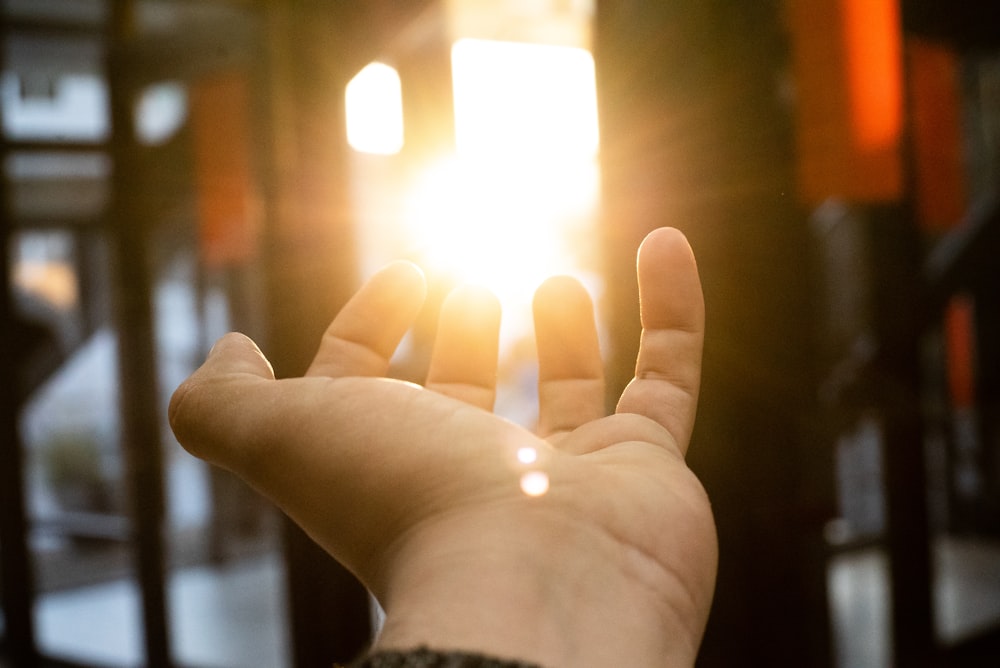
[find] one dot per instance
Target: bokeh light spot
(534, 483)
(527, 455)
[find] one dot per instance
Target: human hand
(418, 490)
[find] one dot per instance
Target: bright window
(375, 110)
(513, 205)
(532, 100)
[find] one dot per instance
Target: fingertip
(666, 242)
(407, 275)
(397, 290)
(672, 310)
(473, 300)
(667, 232)
(405, 267)
(233, 353)
(464, 359)
(669, 283)
(671, 234)
(229, 341)
(565, 330)
(470, 312)
(237, 353)
(205, 410)
(365, 333)
(560, 293)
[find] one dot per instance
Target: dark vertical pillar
(309, 240)
(17, 584)
(312, 50)
(899, 295)
(16, 577)
(695, 134)
(132, 289)
(988, 394)
(310, 271)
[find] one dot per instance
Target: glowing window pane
(160, 112)
(375, 110)
(516, 202)
(529, 99)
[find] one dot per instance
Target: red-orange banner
(228, 205)
(847, 68)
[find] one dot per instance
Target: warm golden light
(375, 110)
(510, 208)
(524, 100)
(51, 281)
(506, 226)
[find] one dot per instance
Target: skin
(418, 491)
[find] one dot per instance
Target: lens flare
(535, 483)
(527, 455)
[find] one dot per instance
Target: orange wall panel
(227, 202)
(938, 161)
(846, 59)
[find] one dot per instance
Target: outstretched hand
(589, 542)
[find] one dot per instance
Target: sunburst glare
(504, 212)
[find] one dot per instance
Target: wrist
(582, 601)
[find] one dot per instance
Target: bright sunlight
(524, 100)
(505, 211)
(502, 226)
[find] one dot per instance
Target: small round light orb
(527, 455)
(534, 483)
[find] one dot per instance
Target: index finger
(672, 310)
(363, 336)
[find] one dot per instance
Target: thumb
(207, 410)
(236, 353)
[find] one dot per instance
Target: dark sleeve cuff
(426, 658)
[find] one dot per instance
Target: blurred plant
(73, 468)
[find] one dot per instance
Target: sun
(509, 208)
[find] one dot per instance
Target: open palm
(431, 499)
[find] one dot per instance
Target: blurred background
(174, 169)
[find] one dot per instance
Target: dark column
(132, 285)
(696, 135)
(896, 381)
(16, 576)
(310, 271)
